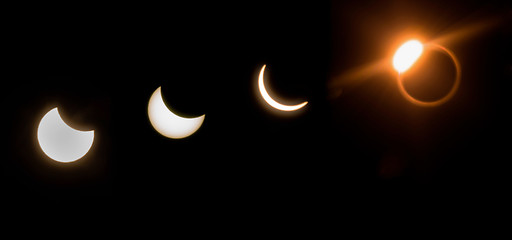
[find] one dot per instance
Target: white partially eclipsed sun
(59, 141)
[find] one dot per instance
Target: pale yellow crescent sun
(168, 123)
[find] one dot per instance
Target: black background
(100, 64)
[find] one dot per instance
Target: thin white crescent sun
(270, 100)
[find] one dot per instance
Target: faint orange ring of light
(448, 96)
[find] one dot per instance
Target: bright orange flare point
(407, 55)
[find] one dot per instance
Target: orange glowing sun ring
(448, 96)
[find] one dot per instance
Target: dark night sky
(100, 65)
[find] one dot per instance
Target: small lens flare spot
(407, 55)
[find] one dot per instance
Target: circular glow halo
(165, 122)
(448, 96)
(272, 102)
(59, 141)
